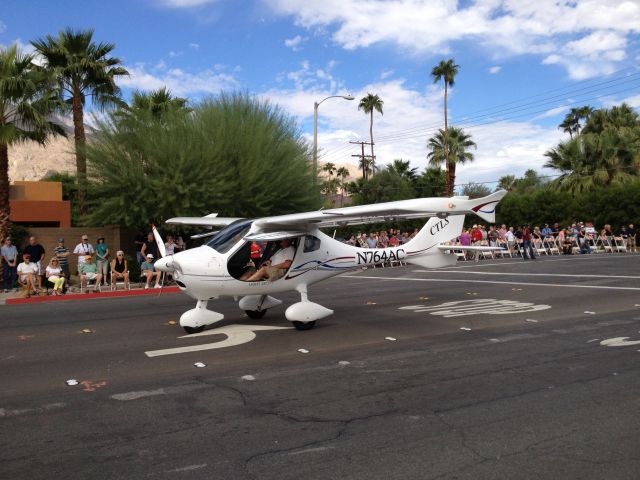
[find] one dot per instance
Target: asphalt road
(497, 370)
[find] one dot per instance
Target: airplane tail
(423, 249)
(485, 207)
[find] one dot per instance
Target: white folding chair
(552, 245)
(620, 244)
(538, 245)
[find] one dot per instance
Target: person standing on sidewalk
(102, 259)
(526, 243)
(36, 252)
(62, 254)
(9, 254)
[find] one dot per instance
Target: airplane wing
(208, 221)
(297, 224)
(478, 248)
(379, 212)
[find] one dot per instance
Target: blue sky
(523, 64)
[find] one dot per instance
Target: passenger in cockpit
(277, 265)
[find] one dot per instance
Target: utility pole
(364, 158)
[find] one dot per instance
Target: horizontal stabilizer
(470, 248)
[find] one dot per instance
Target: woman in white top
(54, 275)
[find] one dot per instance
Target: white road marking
(248, 378)
(545, 258)
(489, 306)
(310, 450)
(188, 468)
(519, 274)
(4, 413)
(160, 391)
(236, 335)
(495, 282)
(619, 342)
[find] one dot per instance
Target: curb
(85, 296)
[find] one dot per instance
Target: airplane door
(311, 250)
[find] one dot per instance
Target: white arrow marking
(619, 342)
(236, 335)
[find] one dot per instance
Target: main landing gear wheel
(304, 325)
(255, 314)
(191, 330)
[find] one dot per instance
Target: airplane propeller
(162, 250)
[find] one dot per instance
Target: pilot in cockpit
(276, 266)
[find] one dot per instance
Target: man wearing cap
(149, 271)
(62, 254)
(83, 249)
(9, 259)
(36, 251)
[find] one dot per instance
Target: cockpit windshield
(230, 235)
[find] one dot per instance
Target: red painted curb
(85, 296)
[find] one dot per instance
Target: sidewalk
(13, 298)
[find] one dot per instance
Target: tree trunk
(446, 146)
(373, 162)
(451, 178)
(5, 207)
(81, 159)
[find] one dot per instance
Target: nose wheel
(255, 314)
(304, 325)
(191, 330)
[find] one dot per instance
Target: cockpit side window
(311, 243)
(229, 236)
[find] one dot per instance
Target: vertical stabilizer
(423, 249)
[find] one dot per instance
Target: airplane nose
(165, 264)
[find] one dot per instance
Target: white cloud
(294, 43)
(195, 46)
(495, 69)
(554, 112)
(180, 83)
(173, 54)
(3, 26)
(410, 118)
(569, 30)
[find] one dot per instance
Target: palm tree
(447, 71)
(572, 120)
(368, 104)
(82, 69)
(506, 182)
(450, 149)
(403, 168)
(330, 168)
(366, 165)
(157, 102)
(25, 102)
(342, 173)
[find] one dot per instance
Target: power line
(474, 120)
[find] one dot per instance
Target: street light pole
(315, 128)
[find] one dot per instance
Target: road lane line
(509, 274)
(532, 284)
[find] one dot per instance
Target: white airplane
(217, 268)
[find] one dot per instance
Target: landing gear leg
(196, 319)
(303, 315)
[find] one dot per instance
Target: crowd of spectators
(524, 240)
(38, 273)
